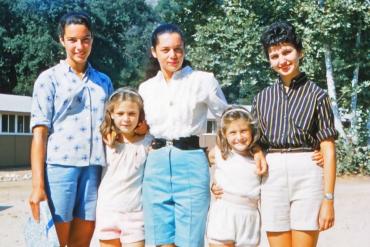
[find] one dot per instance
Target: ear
(154, 54)
(301, 54)
(61, 40)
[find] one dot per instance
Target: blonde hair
(108, 130)
(229, 115)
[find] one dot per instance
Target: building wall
(15, 150)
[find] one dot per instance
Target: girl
(295, 118)
(234, 219)
(119, 220)
(67, 109)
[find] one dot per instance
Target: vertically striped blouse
(301, 117)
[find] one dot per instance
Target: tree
(187, 14)
(30, 44)
(335, 40)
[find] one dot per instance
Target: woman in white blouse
(176, 180)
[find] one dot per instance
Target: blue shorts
(176, 197)
(72, 191)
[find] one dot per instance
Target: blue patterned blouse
(72, 109)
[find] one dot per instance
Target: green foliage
(354, 158)
(225, 40)
(29, 39)
(187, 14)
(122, 38)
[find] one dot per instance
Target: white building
(15, 134)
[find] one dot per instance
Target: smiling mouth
(285, 68)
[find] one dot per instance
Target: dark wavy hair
(74, 17)
(153, 66)
(280, 32)
(229, 115)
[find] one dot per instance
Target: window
(15, 123)
(4, 123)
(11, 123)
(211, 126)
(23, 124)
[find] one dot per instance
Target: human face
(170, 53)
(77, 41)
(284, 59)
(239, 135)
(125, 116)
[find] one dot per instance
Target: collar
(66, 67)
(183, 72)
(296, 81)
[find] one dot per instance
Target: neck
(129, 137)
(167, 75)
(79, 69)
(243, 153)
(287, 80)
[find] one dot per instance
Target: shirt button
(171, 103)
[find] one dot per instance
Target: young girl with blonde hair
(119, 220)
(234, 219)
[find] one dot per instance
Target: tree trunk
(354, 133)
(368, 131)
(331, 92)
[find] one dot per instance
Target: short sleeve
(325, 120)
(110, 86)
(216, 100)
(42, 102)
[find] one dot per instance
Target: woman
(295, 118)
(176, 179)
(67, 109)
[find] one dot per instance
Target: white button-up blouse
(178, 107)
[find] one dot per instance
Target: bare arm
(318, 158)
(326, 216)
(38, 154)
(261, 163)
(211, 157)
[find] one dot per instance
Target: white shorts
(230, 222)
(128, 227)
(291, 193)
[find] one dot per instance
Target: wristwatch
(329, 196)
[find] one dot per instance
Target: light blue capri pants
(176, 196)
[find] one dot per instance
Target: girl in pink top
(119, 219)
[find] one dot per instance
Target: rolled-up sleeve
(326, 128)
(216, 100)
(42, 102)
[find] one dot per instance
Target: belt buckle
(169, 143)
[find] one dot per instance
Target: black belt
(290, 150)
(184, 143)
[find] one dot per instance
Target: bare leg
(227, 244)
(110, 243)
(168, 245)
(304, 238)
(280, 239)
(136, 244)
(81, 233)
(62, 230)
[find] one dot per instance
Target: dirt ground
(352, 205)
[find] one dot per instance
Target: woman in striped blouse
(295, 118)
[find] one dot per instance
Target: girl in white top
(234, 219)
(119, 220)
